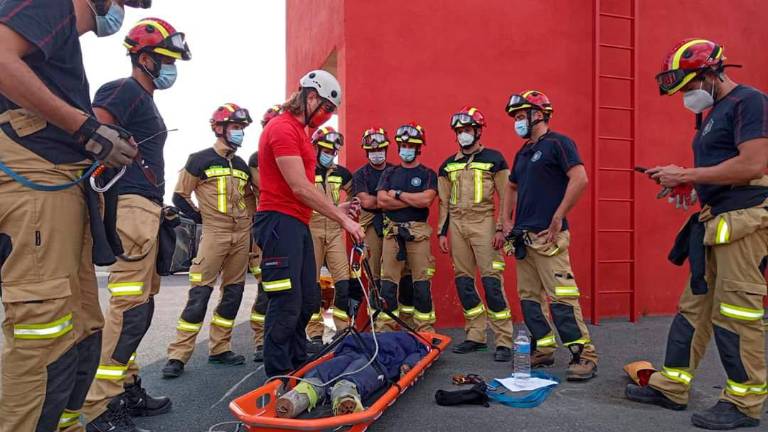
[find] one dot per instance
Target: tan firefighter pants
(222, 252)
(422, 264)
(471, 237)
(49, 294)
(331, 249)
(133, 283)
(731, 310)
(546, 270)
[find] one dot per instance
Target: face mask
(110, 23)
(377, 158)
(698, 100)
(325, 159)
(466, 139)
(235, 137)
(321, 116)
(407, 154)
(521, 128)
(166, 77)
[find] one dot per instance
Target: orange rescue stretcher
(256, 410)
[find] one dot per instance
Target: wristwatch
(397, 194)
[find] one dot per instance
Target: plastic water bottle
(522, 367)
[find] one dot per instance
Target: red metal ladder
(615, 95)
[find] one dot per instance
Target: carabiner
(111, 183)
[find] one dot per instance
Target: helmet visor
(515, 102)
(331, 140)
(241, 116)
(462, 119)
(672, 80)
(404, 133)
(143, 4)
(176, 43)
(375, 140)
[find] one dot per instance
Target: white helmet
(325, 83)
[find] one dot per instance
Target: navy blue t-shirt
(412, 180)
(740, 116)
(540, 172)
(50, 26)
(134, 110)
(366, 179)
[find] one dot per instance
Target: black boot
(469, 346)
(258, 355)
(114, 419)
(650, 395)
(315, 345)
(139, 404)
(503, 354)
(723, 416)
(173, 369)
(227, 358)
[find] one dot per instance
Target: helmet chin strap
(531, 124)
(152, 75)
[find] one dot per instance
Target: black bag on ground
(177, 243)
(473, 396)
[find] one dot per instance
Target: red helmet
(327, 137)
(157, 36)
(375, 139)
(468, 116)
(530, 99)
(411, 133)
(685, 61)
(272, 112)
(230, 113)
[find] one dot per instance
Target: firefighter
(405, 193)
(365, 180)
(327, 236)
(259, 309)
(221, 182)
(286, 200)
(153, 46)
(726, 241)
(466, 182)
(52, 325)
(546, 181)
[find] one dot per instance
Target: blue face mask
(235, 137)
(521, 128)
(110, 23)
(166, 78)
(325, 159)
(407, 154)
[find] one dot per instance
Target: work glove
(682, 196)
(111, 145)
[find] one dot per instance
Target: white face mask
(699, 100)
(377, 158)
(465, 139)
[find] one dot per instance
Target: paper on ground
(528, 384)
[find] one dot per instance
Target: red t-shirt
(283, 136)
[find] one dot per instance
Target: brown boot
(580, 369)
(345, 398)
(541, 359)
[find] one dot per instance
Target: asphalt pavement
(200, 396)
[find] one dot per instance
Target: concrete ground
(201, 395)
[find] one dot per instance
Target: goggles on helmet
(331, 140)
(462, 119)
(409, 134)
